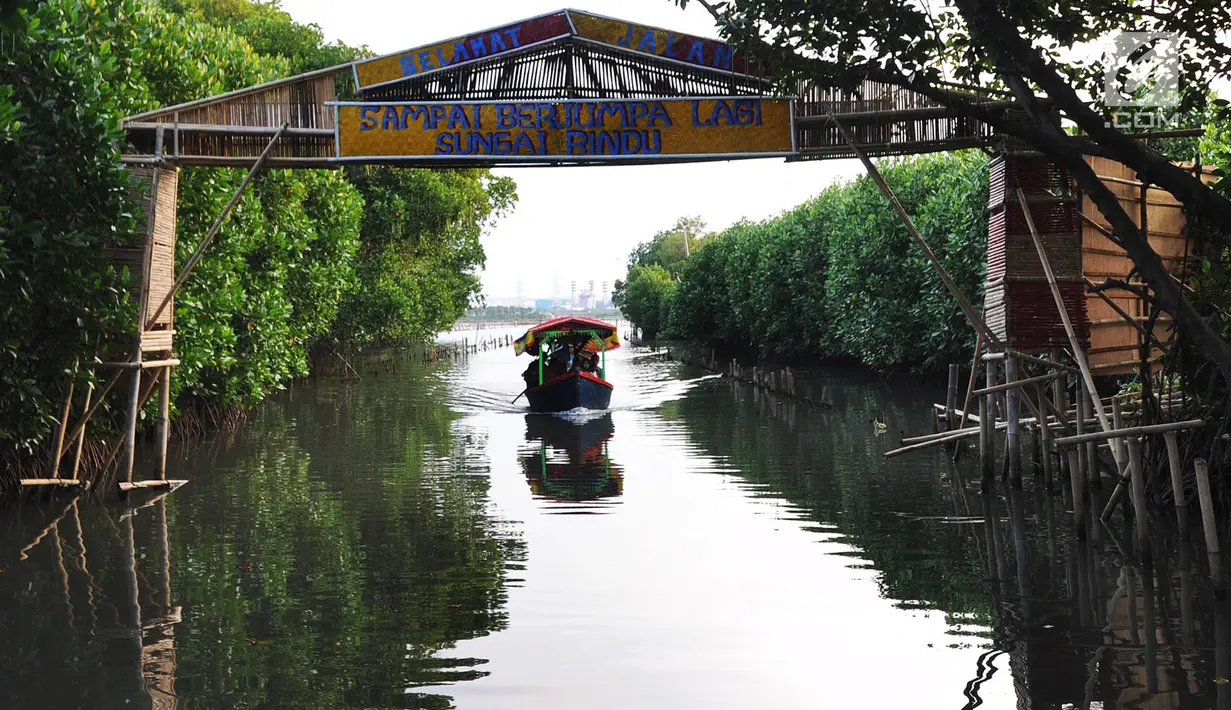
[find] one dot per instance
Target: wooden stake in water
(1137, 476)
(1207, 507)
(951, 397)
(1013, 439)
(1177, 482)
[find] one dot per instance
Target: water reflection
(89, 616)
(567, 461)
(1073, 621)
(363, 545)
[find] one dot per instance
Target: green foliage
(839, 275)
(62, 198)
(299, 250)
(270, 31)
(890, 308)
(647, 298)
(421, 249)
(667, 248)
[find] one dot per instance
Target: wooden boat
(571, 364)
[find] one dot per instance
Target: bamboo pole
(951, 397)
(213, 230)
(85, 407)
(987, 445)
(1056, 365)
(974, 372)
(1018, 384)
(1137, 476)
(164, 421)
(130, 430)
(945, 438)
(58, 448)
(1177, 482)
(1091, 453)
(1012, 413)
(1045, 448)
(1206, 500)
(1131, 431)
(1079, 501)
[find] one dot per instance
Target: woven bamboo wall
(1115, 345)
(150, 259)
(1018, 303)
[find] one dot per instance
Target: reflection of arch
(568, 461)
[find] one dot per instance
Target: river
(412, 539)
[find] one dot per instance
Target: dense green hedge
(339, 258)
(838, 276)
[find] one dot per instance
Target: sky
(580, 223)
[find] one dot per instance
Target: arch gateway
(572, 88)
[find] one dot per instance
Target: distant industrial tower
(572, 293)
(606, 292)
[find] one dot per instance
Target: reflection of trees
(343, 547)
(568, 461)
(1074, 621)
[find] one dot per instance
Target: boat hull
(570, 391)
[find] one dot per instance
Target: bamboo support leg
(1207, 511)
(987, 424)
(1058, 404)
(57, 448)
(1137, 476)
(85, 407)
(164, 421)
(1045, 449)
(1093, 476)
(1177, 482)
(1079, 502)
(1013, 439)
(130, 431)
(1080, 426)
(951, 397)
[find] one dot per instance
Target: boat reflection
(567, 462)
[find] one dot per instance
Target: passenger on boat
(589, 363)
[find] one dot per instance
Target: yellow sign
(529, 131)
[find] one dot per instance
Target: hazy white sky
(581, 223)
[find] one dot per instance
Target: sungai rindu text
(575, 129)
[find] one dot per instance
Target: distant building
(544, 304)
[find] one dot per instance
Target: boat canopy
(603, 336)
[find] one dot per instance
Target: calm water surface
(412, 540)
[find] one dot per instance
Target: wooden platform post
(1013, 437)
(951, 397)
(987, 428)
(134, 406)
(164, 421)
(1177, 482)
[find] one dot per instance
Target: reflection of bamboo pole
(131, 585)
(21, 555)
(85, 567)
(63, 572)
